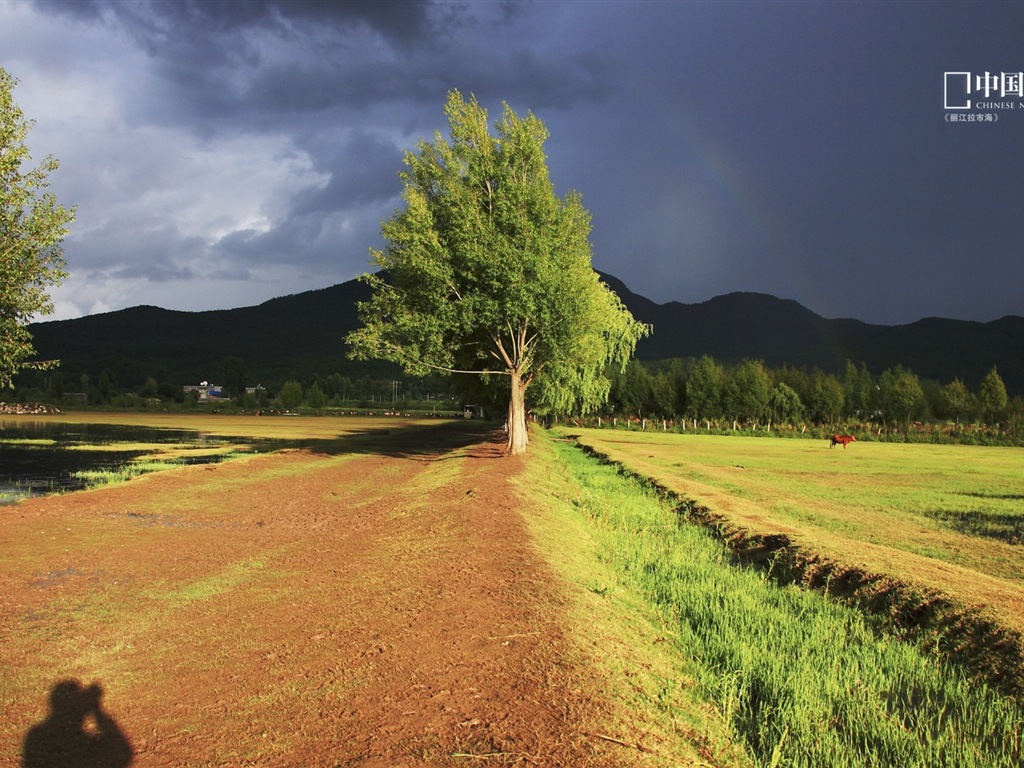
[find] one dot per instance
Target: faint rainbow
(734, 185)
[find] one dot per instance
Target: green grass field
(799, 679)
(947, 518)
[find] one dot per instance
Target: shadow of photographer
(77, 733)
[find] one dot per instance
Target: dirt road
(376, 607)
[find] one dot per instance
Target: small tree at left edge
(32, 228)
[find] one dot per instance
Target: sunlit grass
(121, 447)
(801, 680)
(232, 576)
(98, 478)
(649, 682)
(11, 493)
(946, 517)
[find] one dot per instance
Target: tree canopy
(901, 394)
(992, 393)
(32, 228)
(487, 271)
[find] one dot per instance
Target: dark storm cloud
(794, 148)
(363, 170)
(803, 150)
(154, 271)
(260, 61)
(153, 21)
(154, 251)
(266, 64)
(194, 35)
(302, 68)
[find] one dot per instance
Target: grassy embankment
(800, 679)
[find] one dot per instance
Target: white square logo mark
(956, 86)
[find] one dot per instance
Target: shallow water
(40, 458)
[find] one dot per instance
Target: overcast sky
(224, 153)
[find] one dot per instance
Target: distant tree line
(748, 395)
(317, 392)
(688, 393)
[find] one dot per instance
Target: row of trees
(704, 389)
(334, 390)
(750, 394)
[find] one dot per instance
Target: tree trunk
(517, 436)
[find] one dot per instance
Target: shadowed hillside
(299, 335)
(777, 331)
(284, 338)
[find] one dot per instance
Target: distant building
(205, 391)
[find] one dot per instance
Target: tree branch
(504, 355)
(444, 368)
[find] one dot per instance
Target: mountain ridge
(295, 335)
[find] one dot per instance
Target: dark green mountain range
(296, 336)
(781, 331)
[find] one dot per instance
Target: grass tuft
(99, 478)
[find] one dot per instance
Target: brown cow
(844, 439)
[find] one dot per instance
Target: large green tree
(746, 391)
(487, 271)
(32, 228)
(704, 389)
(992, 394)
(290, 395)
(784, 404)
(858, 390)
(632, 390)
(956, 399)
(901, 394)
(825, 397)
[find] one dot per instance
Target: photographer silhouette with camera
(77, 733)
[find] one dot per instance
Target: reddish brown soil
(384, 608)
